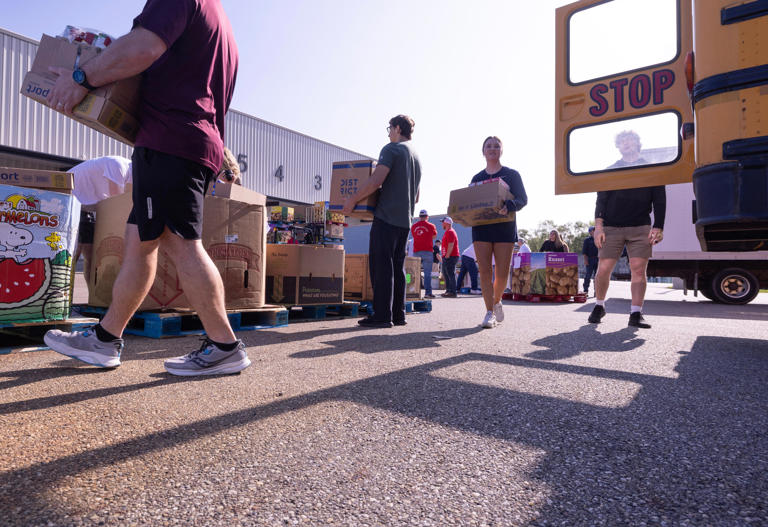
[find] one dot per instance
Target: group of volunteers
(179, 152)
(622, 221)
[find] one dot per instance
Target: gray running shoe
(209, 360)
(85, 346)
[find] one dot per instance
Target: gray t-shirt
(397, 199)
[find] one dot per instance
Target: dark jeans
(449, 273)
(386, 263)
(468, 265)
(591, 271)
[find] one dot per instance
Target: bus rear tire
(734, 286)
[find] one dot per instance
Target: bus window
(649, 140)
(619, 36)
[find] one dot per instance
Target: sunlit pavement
(543, 420)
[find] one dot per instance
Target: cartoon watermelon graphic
(23, 283)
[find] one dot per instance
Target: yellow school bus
(687, 80)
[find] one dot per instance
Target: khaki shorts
(635, 238)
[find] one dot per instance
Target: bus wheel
(734, 286)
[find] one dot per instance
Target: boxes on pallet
(347, 177)
(281, 214)
(234, 235)
(304, 274)
(357, 278)
(480, 204)
(38, 232)
(110, 109)
(544, 274)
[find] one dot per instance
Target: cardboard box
(545, 274)
(347, 177)
(38, 232)
(412, 277)
(479, 204)
(357, 278)
(234, 235)
(334, 230)
(304, 274)
(110, 109)
(44, 179)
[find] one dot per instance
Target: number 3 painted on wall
(318, 182)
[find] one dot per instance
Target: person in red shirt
(424, 234)
(450, 254)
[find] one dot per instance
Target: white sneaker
(489, 321)
(498, 310)
(475, 292)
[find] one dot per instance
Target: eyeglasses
(389, 129)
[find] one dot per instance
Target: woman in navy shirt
(496, 241)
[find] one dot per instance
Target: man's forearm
(129, 55)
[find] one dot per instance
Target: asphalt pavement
(544, 420)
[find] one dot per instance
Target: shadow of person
(585, 339)
(377, 343)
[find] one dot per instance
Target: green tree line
(573, 233)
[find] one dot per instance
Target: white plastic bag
(101, 178)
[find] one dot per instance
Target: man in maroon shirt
(186, 53)
(424, 234)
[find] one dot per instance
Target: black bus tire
(734, 286)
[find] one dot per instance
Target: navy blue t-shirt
(504, 231)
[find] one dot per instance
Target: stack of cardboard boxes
(357, 278)
(233, 235)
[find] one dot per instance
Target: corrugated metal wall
(28, 125)
(281, 163)
(265, 150)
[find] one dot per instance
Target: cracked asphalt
(544, 420)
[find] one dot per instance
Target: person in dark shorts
(398, 174)
(178, 153)
(496, 241)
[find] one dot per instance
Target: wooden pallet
(411, 306)
(28, 336)
(298, 313)
(177, 323)
(578, 298)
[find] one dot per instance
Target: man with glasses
(397, 174)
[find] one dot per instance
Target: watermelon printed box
(38, 231)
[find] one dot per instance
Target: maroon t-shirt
(187, 91)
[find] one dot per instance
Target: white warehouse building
(284, 165)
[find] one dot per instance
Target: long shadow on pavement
(690, 449)
(587, 338)
(370, 342)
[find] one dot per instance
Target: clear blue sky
(339, 69)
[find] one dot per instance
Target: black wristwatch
(79, 77)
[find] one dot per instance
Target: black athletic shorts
(168, 191)
(86, 227)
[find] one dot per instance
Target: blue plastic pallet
(411, 306)
(179, 323)
(322, 311)
(28, 336)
